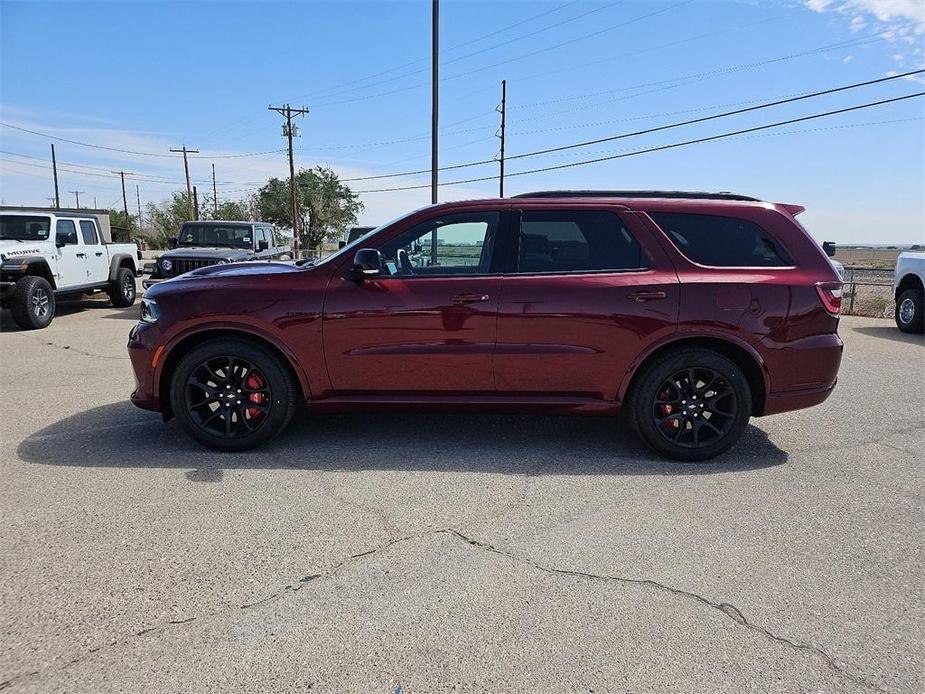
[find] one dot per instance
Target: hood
(241, 270)
(207, 253)
(11, 248)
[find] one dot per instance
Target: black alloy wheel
(233, 394)
(694, 408)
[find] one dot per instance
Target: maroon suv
(690, 312)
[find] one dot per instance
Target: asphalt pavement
(421, 553)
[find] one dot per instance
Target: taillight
(830, 295)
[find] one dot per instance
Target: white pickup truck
(909, 290)
(46, 256)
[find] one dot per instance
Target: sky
(150, 76)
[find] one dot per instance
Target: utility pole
(214, 191)
(288, 131)
(94, 203)
(128, 220)
(195, 203)
(189, 192)
(77, 196)
(54, 166)
(138, 200)
(500, 134)
(435, 101)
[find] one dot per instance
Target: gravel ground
(421, 553)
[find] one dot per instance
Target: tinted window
(88, 232)
(722, 241)
(457, 244)
(24, 228)
(575, 241)
(66, 232)
(235, 235)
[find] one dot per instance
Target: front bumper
(142, 347)
(7, 289)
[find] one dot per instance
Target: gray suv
(203, 243)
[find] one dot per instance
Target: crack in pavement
(728, 610)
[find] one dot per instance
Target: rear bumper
(802, 373)
(776, 403)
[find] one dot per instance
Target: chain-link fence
(868, 292)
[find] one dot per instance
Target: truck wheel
(232, 395)
(690, 405)
(910, 316)
(122, 288)
(33, 303)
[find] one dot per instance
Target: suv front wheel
(691, 405)
(232, 395)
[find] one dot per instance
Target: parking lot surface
(419, 553)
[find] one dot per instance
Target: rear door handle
(99, 253)
(647, 296)
(469, 298)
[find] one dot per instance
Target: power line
(661, 148)
(647, 131)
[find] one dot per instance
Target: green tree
(326, 205)
(166, 218)
(123, 228)
(244, 209)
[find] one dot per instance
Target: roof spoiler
(793, 209)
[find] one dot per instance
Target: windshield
(357, 243)
(234, 235)
(15, 226)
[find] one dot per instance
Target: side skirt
(550, 405)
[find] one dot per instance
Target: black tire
(674, 418)
(227, 372)
(910, 312)
(33, 303)
(122, 289)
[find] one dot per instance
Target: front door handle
(81, 255)
(647, 296)
(99, 253)
(469, 298)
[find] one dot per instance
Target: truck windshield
(15, 226)
(235, 235)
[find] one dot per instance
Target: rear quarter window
(722, 241)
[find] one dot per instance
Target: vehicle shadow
(119, 435)
(890, 333)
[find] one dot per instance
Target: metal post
(138, 200)
(54, 166)
(435, 102)
(195, 203)
(214, 191)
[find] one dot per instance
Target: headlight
(149, 311)
(166, 264)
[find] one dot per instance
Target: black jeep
(203, 243)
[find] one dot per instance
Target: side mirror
(341, 244)
(829, 248)
(172, 242)
(262, 245)
(367, 264)
(60, 241)
(65, 238)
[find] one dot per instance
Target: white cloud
(818, 5)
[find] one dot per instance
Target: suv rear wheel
(691, 405)
(33, 303)
(232, 395)
(910, 316)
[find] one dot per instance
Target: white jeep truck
(46, 256)
(909, 290)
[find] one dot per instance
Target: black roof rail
(681, 194)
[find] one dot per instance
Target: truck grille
(181, 265)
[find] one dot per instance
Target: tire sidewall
(22, 303)
(116, 294)
(279, 379)
(643, 397)
(918, 318)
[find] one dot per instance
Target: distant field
(884, 258)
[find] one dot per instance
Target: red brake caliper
(665, 409)
(255, 381)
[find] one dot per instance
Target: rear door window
(88, 233)
(722, 241)
(556, 241)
